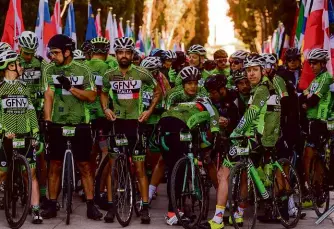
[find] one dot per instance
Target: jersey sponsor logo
(147, 98)
(273, 100)
(126, 89)
(314, 87)
(31, 74)
(98, 80)
(14, 102)
(75, 80)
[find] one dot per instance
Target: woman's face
(16, 65)
(190, 88)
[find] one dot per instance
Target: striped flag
(328, 19)
(70, 24)
(128, 30)
(140, 41)
(56, 19)
(300, 22)
(109, 32)
(98, 23)
(115, 29)
(120, 28)
(307, 11)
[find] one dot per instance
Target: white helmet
(254, 60)
(318, 54)
(240, 54)
(124, 43)
(4, 47)
(170, 55)
(269, 58)
(197, 49)
(28, 41)
(7, 57)
(78, 55)
(151, 63)
(190, 74)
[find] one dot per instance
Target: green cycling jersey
(98, 68)
(320, 87)
(126, 90)
(17, 113)
(111, 61)
(68, 109)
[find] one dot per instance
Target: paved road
(79, 220)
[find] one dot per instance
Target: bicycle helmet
(292, 53)
(269, 58)
(157, 53)
(86, 47)
(151, 63)
(124, 43)
(7, 57)
(238, 75)
(100, 45)
(240, 54)
(28, 41)
(197, 49)
(61, 42)
(254, 60)
(170, 55)
(318, 54)
(4, 47)
(78, 55)
(215, 82)
(190, 74)
(220, 53)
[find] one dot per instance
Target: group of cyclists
(245, 94)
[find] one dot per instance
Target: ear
(67, 53)
(202, 59)
(264, 72)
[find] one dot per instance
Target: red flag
(314, 38)
(120, 28)
(98, 23)
(13, 24)
(56, 19)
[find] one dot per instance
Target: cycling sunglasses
(236, 62)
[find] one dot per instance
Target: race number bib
(68, 131)
(185, 137)
(239, 151)
(18, 143)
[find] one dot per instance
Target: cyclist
(243, 90)
(316, 100)
(182, 117)
(86, 48)
(236, 62)
(98, 67)
(137, 57)
(196, 59)
(168, 59)
(18, 120)
(153, 64)
(4, 47)
(70, 88)
(177, 66)
(125, 84)
(220, 57)
(78, 55)
(188, 91)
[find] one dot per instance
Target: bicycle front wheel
(68, 188)
(18, 192)
(123, 190)
(187, 193)
(287, 193)
(242, 197)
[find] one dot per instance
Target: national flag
(120, 28)
(56, 18)
(109, 31)
(285, 45)
(115, 29)
(128, 30)
(91, 29)
(13, 24)
(300, 22)
(328, 19)
(98, 23)
(294, 28)
(70, 24)
(140, 41)
(307, 11)
(314, 38)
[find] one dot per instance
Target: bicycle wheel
(187, 193)
(242, 193)
(123, 190)
(68, 186)
(287, 194)
(99, 184)
(17, 192)
(319, 188)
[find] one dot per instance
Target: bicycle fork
(253, 174)
(68, 151)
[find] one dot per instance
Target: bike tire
(233, 191)
(295, 184)
(69, 186)
(98, 179)
(123, 189)
(176, 203)
(18, 188)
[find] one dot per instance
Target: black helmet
(61, 42)
(292, 53)
(215, 82)
(239, 75)
(87, 46)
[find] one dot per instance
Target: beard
(124, 63)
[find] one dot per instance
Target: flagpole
(67, 2)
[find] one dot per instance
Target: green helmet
(100, 45)
(7, 57)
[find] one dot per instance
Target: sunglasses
(236, 62)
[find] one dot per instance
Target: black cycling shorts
(81, 143)
(7, 150)
(317, 130)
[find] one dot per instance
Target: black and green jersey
(17, 113)
(32, 75)
(111, 61)
(280, 87)
(126, 90)
(194, 113)
(67, 109)
(320, 87)
(177, 95)
(98, 68)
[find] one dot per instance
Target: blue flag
(70, 24)
(91, 29)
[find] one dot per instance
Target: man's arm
(104, 99)
(48, 104)
(156, 98)
(84, 95)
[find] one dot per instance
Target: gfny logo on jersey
(126, 89)
(75, 81)
(31, 74)
(14, 101)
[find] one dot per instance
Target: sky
(218, 19)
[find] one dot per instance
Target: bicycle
(68, 176)
(283, 185)
(193, 199)
(18, 185)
